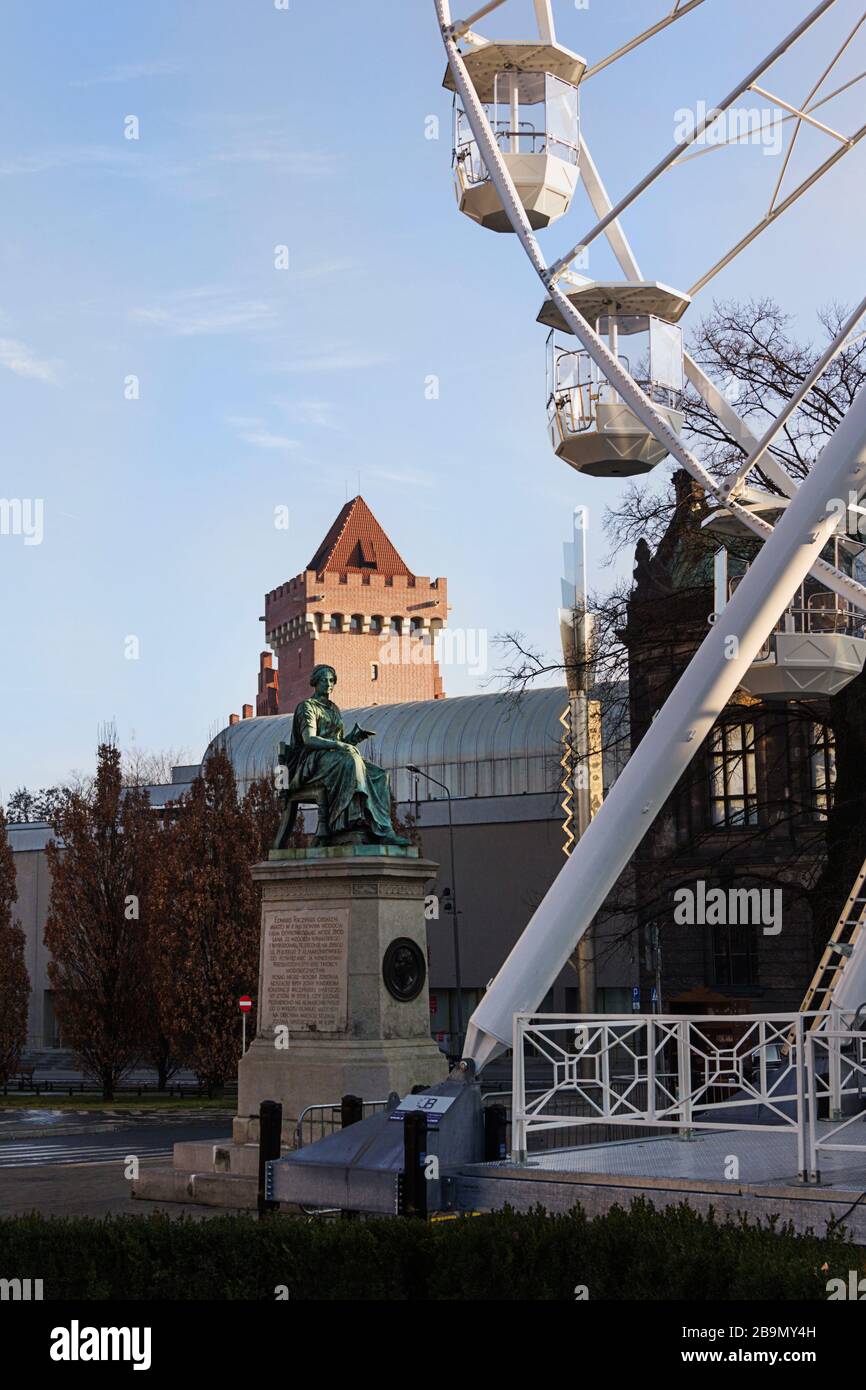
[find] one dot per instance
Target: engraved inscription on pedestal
(306, 979)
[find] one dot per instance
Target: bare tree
(142, 768)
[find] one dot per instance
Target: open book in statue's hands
(357, 734)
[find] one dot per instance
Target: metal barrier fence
(662, 1072)
(326, 1118)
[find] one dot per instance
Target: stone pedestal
(343, 1002)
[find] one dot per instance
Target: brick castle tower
(360, 608)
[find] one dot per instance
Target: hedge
(639, 1253)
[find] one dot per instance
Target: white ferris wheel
(792, 626)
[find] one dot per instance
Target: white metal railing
(843, 1074)
(688, 1072)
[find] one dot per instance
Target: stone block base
(322, 1071)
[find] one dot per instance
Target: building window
(396, 627)
(735, 955)
(374, 670)
(733, 795)
(376, 623)
(822, 769)
(300, 657)
(355, 622)
(336, 624)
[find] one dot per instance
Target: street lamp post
(419, 772)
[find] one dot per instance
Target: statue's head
(323, 679)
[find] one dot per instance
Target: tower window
(374, 670)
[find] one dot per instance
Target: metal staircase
(838, 949)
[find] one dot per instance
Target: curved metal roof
(479, 745)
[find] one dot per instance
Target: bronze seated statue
(323, 765)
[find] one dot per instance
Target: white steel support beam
(464, 25)
(544, 19)
(770, 217)
(801, 115)
(676, 13)
(670, 743)
(559, 266)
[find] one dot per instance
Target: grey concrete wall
(34, 885)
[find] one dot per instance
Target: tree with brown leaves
(207, 911)
(100, 862)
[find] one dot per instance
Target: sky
(232, 265)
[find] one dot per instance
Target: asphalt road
(83, 1173)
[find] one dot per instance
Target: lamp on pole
(419, 772)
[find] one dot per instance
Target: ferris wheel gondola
(530, 95)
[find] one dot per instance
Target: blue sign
(635, 999)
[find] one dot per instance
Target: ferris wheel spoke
(682, 7)
(700, 127)
(776, 212)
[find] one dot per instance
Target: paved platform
(770, 1156)
(764, 1181)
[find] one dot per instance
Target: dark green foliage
(641, 1254)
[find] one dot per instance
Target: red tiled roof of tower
(356, 544)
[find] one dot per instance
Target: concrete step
(208, 1189)
(218, 1156)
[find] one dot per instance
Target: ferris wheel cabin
(819, 644)
(529, 92)
(590, 426)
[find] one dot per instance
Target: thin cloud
(334, 359)
(62, 158)
(403, 479)
(253, 430)
(263, 439)
(129, 72)
(205, 312)
(21, 360)
(319, 414)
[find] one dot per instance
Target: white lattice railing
(835, 1078)
(664, 1071)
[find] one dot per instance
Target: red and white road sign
(245, 1003)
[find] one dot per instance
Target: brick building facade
(358, 607)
